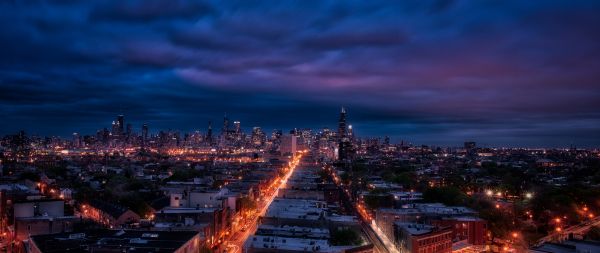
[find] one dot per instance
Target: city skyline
(504, 73)
(138, 128)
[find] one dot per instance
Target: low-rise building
(421, 238)
(109, 214)
(276, 244)
(117, 241)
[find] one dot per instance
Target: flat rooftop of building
(441, 209)
(292, 231)
(405, 194)
(554, 248)
(179, 226)
(343, 218)
(415, 228)
(401, 211)
(286, 243)
(294, 212)
(174, 210)
(467, 218)
(49, 218)
(293, 228)
(297, 202)
(131, 241)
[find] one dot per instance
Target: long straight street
(381, 245)
(236, 242)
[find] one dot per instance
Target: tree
(185, 174)
(594, 233)
(499, 222)
(30, 175)
(377, 200)
(205, 249)
(447, 195)
(345, 237)
(406, 179)
(247, 203)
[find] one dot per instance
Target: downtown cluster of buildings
(231, 137)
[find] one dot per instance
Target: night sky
(502, 73)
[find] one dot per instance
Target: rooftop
(112, 209)
(171, 210)
(132, 241)
(293, 231)
(414, 228)
(284, 243)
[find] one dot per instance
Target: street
(236, 242)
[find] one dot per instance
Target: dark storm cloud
(149, 10)
(436, 72)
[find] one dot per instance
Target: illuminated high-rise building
(129, 130)
(350, 132)
(276, 134)
(209, 135)
(258, 136)
(342, 130)
(345, 148)
(76, 140)
(144, 134)
(114, 128)
(288, 144)
(225, 128)
(120, 124)
(237, 127)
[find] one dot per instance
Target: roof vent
(149, 235)
(138, 241)
(77, 236)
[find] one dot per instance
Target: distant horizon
(217, 125)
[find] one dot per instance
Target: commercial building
(289, 144)
(117, 241)
(109, 214)
(421, 238)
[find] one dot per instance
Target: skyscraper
(350, 132)
(225, 128)
(144, 133)
(342, 130)
(129, 130)
(258, 136)
(209, 137)
(114, 128)
(120, 124)
(288, 144)
(344, 145)
(237, 127)
(76, 140)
